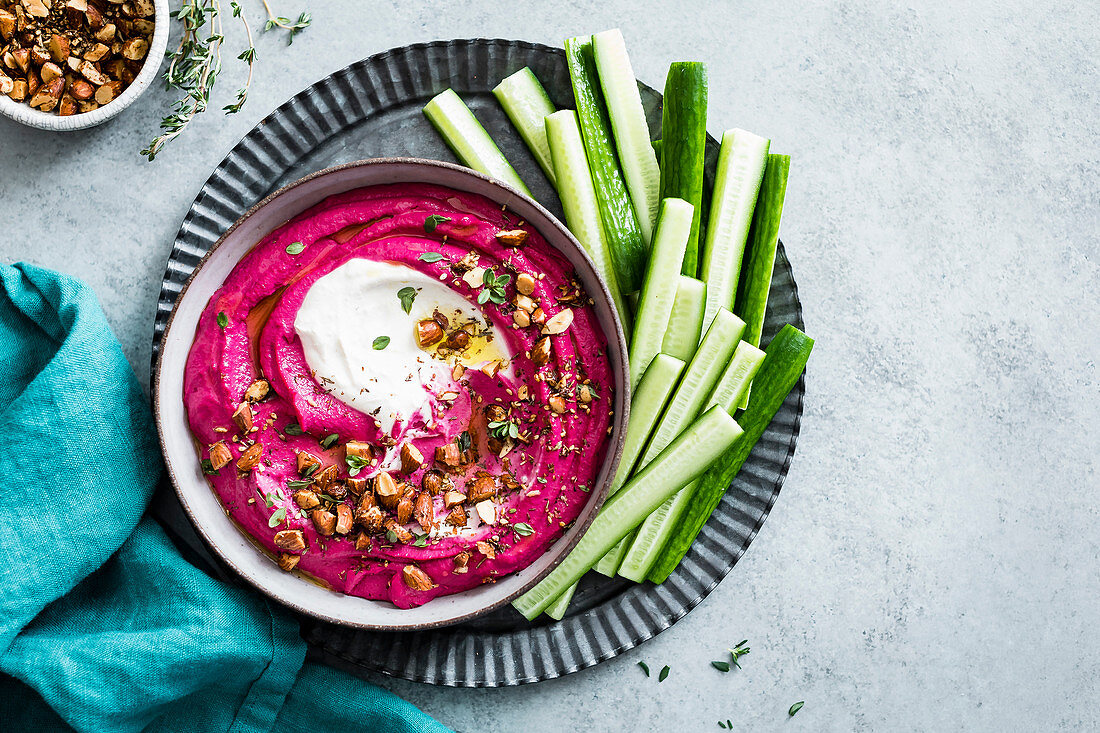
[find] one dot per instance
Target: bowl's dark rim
(619, 419)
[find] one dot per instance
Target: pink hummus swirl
(540, 460)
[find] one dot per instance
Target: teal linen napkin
(103, 625)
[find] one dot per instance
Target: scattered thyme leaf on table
(664, 673)
(645, 668)
(795, 708)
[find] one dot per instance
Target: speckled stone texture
(934, 560)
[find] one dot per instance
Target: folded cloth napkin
(103, 625)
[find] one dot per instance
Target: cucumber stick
(557, 609)
(685, 327)
(698, 383)
(659, 526)
(784, 361)
(752, 298)
(578, 199)
(659, 288)
(469, 140)
(624, 236)
(734, 382)
(683, 145)
(528, 105)
(740, 169)
(646, 405)
(678, 465)
(628, 123)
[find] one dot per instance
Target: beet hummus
(401, 393)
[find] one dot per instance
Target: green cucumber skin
(752, 298)
(629, 127)
(680, 464)
(488, 160)
(784, 362)
(741, 163)
(683, 145)
(578, 200)
(685, 327)
(654, 533)
(557, 609)
(527, 105)
(624, 235)
(646, 407)
(658, 293)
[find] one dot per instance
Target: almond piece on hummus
(559, 322)
(512, 237)
(486, 511)
(288, 562)
(250, 458)
(243, 417)
(257, 391)
(291, 540)
(411, 458)
(428, 332)
(220, 455)
(324, 521)
(343, 519)
(416, 578)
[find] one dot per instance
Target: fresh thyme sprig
(294, 27)
(249, 57)
(196, 62)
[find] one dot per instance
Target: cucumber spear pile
(689, 279)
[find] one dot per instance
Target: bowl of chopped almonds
(73, 64)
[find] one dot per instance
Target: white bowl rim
(294, 591)
(26, 115)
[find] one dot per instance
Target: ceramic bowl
(27, 115)
(178, 445)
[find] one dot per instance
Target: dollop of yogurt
(360, 342)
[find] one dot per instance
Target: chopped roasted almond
(457, 340)
(462, 561)
(525, 283)
(307, 499)
(559, 322)
(405, 507)
(291, 540)
(243, 417)
(424, 511)
(521, 319)
(492, 368)
(457, 517)
(326, 477)
(416, 578)
(356, 486)
(220, 455)
(411, 458)
(512, 237)
(305, 460)
(362, 541)
(540, 352)
(385, 488)
(403, 535)
(557, 403)
(343, 519)
(482, 487)
(486, 511)
(524, 303)
(486, 549)
(538, 316)
(359, 449)
(449, 454)
(371, 518)
(258, 390)
(428, 332)
(435, 481)
(452, 499)
(324, 521)
(288, 562)
(585, 393)
(250, 458)
(495, 413)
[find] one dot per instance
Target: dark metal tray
(373, 109)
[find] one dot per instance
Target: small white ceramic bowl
(178, 444)
(25, 114)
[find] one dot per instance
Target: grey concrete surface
(932, 563)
